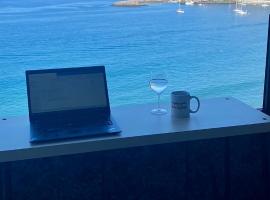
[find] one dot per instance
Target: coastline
(136, 3)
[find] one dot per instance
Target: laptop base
(42, 134)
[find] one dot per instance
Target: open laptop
(69, 103)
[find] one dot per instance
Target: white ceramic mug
(180, 104)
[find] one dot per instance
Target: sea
(209, 50)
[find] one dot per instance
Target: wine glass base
(159, 111)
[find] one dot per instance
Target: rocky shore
(138, 2)
(130, 3)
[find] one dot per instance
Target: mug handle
(199, 104)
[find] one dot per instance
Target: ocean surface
(208, 51)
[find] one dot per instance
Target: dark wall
(227, 168)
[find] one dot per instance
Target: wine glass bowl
(158, 85)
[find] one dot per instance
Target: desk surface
(219, 117)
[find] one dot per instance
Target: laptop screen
(65, 90)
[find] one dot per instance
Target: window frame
(266, 92)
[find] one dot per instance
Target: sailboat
(179, 10)
(236, 7)
(189, 3)
(241, 11)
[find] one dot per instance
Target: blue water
(208, 51)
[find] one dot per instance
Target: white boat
(236, 7)
(265, 5)
(236, 10)
(199, 3)
(179, 10)
(189, 3)
(242, 12)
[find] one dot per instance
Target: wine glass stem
(158, 101)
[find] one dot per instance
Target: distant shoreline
(135, 3)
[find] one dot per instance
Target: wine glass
(158, 83)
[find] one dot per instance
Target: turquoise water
(208, 51)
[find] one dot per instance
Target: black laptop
(69, 103)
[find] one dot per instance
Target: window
(209, 50)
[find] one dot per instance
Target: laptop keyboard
(72, 127)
